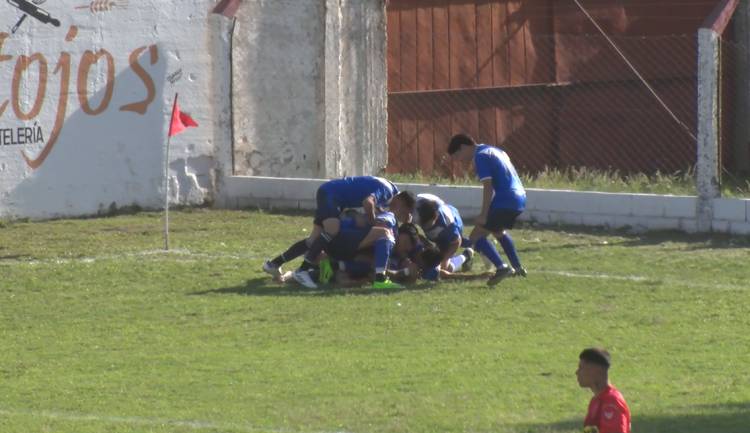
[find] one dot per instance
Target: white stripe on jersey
(386, 183)
(430, 197)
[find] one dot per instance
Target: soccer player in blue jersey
(504, 199)
(442, 224)
(369, 192)
(354, 237)
(411, 255)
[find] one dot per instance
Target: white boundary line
(181, 253)
(187, 255)
(142, 421)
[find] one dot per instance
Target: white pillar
(355, 88)
(707, 166)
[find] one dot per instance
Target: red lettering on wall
(142, 106)
(3, 58)
(89, 59)
(63, 68)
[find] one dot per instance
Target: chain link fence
(571, 101)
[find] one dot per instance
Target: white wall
(309, 81)
(636, 212)
(309, 88)
(112, 128)
(279, 104)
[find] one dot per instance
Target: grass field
(102, 332)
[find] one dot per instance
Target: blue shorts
(501, 219)
(344, 246)
(327, 206)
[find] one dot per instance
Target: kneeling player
(443, 225)
(411, 257)
(354, 238)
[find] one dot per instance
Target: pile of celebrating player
(381, 242)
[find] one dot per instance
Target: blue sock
(510, 250)
(486, 248)
(383, 249)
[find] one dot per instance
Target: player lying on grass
(369, 192)
(503, 200)
(442, 224)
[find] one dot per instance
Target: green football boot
(326, 271)
(386, 284)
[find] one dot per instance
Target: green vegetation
(586, 179)
(102, 332)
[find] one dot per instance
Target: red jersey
(608, 412)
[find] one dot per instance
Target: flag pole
(166, 178)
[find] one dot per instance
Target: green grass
(101, 332)
(586, 179)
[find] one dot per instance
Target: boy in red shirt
(608, 412)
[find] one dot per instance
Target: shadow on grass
(14, 257)
(719, 418)
(695, 241)
(263, 286)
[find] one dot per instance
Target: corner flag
(180, 121)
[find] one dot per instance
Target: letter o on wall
(87, 61)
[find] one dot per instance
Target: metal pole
(166, 178)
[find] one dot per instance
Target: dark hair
(408, 198)
(427, 210)
(459, 140)
(596, 356)
(410, 230)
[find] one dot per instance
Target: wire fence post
(707, 166)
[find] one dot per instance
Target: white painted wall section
(636, 212)
(97, 91)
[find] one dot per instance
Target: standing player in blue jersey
(504, 199)
(369, 192)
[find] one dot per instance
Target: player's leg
(506, 241)
(330, 229)
(508, 219)
(478, 238)
(382, 241)
(326, 217)
(273, 266)
(449, 241)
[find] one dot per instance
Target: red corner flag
(180, 121)
(228, 8)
